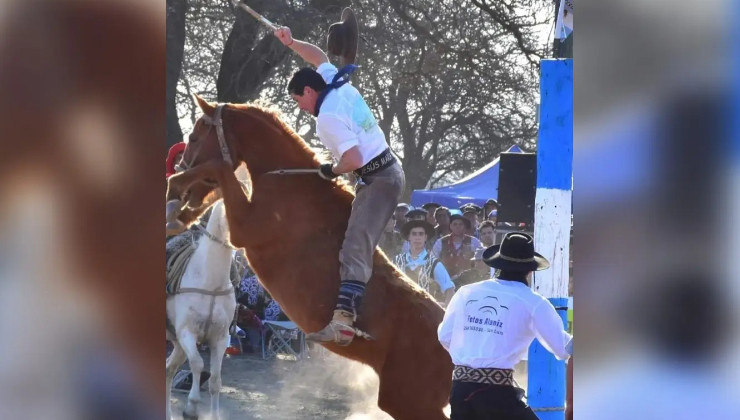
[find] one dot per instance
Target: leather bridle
(216, 121)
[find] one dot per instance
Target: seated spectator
(456, 249)
(256, 305)
(390, 240)
(421, 266)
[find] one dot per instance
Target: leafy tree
(453, 83)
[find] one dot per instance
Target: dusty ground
(326, 388)
(319, 388)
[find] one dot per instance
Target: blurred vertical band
(81, 137)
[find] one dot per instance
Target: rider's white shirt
(346, 121)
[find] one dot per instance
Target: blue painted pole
(546, 375)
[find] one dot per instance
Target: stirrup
(340, 330)
(335, 332)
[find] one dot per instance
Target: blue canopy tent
(475, 188)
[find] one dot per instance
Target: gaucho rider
(347, 127)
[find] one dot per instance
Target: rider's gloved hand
(326, 172)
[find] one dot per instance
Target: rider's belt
(383, 160)
(492, 376)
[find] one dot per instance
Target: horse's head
(206, 142)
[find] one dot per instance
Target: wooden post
(546, 375)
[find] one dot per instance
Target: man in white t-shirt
(488, 328)
(346, 126)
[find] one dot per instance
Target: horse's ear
(206, 107)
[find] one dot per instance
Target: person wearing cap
(431, 208)
(442, 218)
(399, 215)
(346, 126)
(472, 206)
(487, 235)
(489, 206)
(418, 214)
(471, 214)
(456, 249)
(493, 217)
(488, 328)
(420, 265)
(174, 155)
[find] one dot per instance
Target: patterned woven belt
(493, 376)
(383, 160)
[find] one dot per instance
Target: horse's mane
(271, 116)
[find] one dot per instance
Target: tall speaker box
(517, 185)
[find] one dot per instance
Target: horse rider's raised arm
(309, 52)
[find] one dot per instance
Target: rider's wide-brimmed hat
(515, 253)
(343, 38)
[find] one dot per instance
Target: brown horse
(302, 273)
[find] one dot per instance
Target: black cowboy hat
(491, 201)
(343, 38)
(416, 213)
(406, 228)
(468, 224)
(515, 253)
(429, 206)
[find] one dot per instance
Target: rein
(212, 237)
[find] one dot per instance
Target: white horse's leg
(190, 346)
(176, 359)
(218, 348)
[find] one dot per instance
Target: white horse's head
(218, 226)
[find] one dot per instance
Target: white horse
(202, 311)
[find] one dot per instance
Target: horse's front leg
(179, 184)
(176, 359)
(218, 348)
(238, 206)
(190, 346)
(178, 216)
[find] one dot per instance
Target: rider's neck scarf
(339, 80)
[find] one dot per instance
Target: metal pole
(546, 375)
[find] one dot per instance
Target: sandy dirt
(324, 387)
